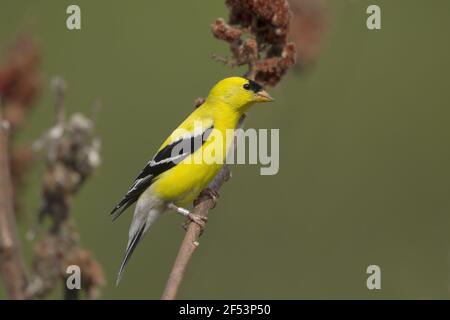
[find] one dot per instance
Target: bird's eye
(247, 86)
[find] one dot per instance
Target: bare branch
(190, 241)
(59, 86)
(11, 263)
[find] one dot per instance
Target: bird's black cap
(254, 86)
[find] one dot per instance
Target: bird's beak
(263, 96)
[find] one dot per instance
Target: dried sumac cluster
(52, 255)
(19, 81)
(258, 33)
(308, 27)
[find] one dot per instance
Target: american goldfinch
(173, 179)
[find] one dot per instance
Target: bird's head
(239, 93)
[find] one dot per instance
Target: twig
(59, 86)
(11, 263)
(19, 84)
(190, 241)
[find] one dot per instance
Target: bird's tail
(132, 243)
(142, 220)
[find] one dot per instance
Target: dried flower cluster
(258, 33)
(72, 156)
(19, 81)
(53, 254)
(308, 28)
(72, 152)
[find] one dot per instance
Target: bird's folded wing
(184, 141)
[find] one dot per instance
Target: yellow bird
(182, 167)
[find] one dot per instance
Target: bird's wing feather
(181, 143)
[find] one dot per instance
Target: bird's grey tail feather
(132, 243)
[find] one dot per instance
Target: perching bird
(175, 176)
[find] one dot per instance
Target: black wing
(167, 158)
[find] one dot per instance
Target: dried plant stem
(72, 155)
(11, 264)
(190, 241)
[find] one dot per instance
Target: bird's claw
(197, 219)
(208, 193)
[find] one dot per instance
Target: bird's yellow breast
(183, 183)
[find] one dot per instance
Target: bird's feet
(208, 193)
(191, 217)
(197, 219)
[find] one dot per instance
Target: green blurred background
(364, 165)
